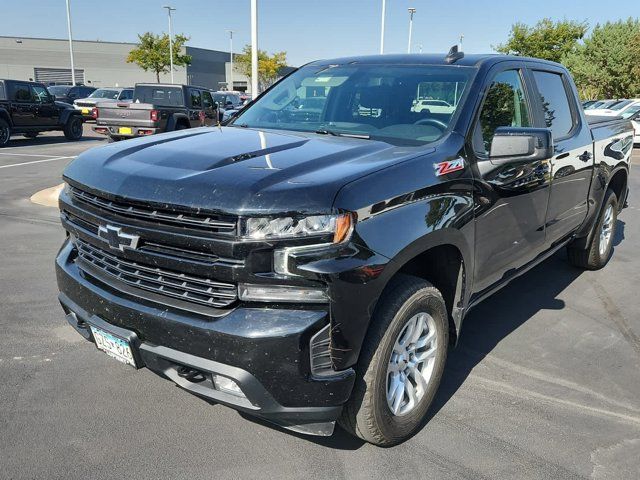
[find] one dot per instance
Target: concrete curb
(47, 197)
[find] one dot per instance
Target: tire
(73, 128)
(111, 139)
(368, 413)
(181, 126)
(5, 132)
(31, 134)
(597, 254)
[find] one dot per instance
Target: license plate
(85, 111)
(125, 130)
(113, 346)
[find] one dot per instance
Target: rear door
(194, 107)
(572, 163)
(23, 106)
(209, 109)
(511, 197)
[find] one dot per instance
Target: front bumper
(264, 350)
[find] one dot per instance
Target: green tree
(546, 39)
(152, 53)
(607, 64)
(269, 66)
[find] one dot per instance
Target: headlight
(289, 227)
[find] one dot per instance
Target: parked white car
(615, 110)
(434, 106)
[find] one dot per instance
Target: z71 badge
(449, 166)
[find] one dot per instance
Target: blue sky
(306, 29)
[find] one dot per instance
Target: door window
(126, 95)
(504, 106)
(40, 94)
(196, 101)
(555, 103)
(22, 93)
(207, 100)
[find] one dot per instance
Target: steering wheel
(433, 122)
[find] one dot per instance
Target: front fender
(66, 113)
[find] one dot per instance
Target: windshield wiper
(325, 131)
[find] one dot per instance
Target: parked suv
(69, 93)
(28, 108)
(102, 95)
(156, 108)
(310, 269)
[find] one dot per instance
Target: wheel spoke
(426, 355)
(411, 394)
(420, 324)
(397, 395)
(426, 340)
(408, 333)
(421, 383)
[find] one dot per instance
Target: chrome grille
(157, 215)
(199, 290)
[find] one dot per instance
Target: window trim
(521, 71)
(576, 119)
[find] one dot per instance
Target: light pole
(411, 12)
(384, 11)
(461, 38)
(169, 10)
(254, 49)
(73, 69)
(230, 83)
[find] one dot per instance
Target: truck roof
(469, 60)
(178, 85)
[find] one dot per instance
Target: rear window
(59, 90)
(162, 96)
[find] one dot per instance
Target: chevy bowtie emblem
(117, 239)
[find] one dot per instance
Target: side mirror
(516, 144)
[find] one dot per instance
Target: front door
(46, 112)
(572, 163)
(511, 198)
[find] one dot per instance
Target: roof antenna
(454, 55)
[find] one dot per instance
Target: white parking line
(25, 154)
(35, 161)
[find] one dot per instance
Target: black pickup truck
(310, 269)
(156, 108)
(28, 108)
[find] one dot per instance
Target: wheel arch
(618, 183)
(4, 115)
(177, 119)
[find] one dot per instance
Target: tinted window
(373, 101)
(126, 95)
(195, 99)
(3, 95)
(207, 101)
(504, 106)
(555, 104)
(40, 94)
(161, 96)
(59, 90)
(628, 113)
(22, 93)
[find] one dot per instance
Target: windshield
(59, 90)
(621, 105)
(631, 111)
(162, 96)
(369, 101)
(104, 93)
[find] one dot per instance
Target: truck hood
(234, 170)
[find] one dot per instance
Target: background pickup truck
(310, 269)
(28, 108)
(156, 108)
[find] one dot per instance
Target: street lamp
(384, 10)
(73, 69)
(230, 83)
(411, 12)
(169, 10)
(254, 49)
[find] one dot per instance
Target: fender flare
(67, 113)
(175, 119)
(4, 114)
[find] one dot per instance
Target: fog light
(227, 385)
(281, 293)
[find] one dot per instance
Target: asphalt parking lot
(545, 382)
